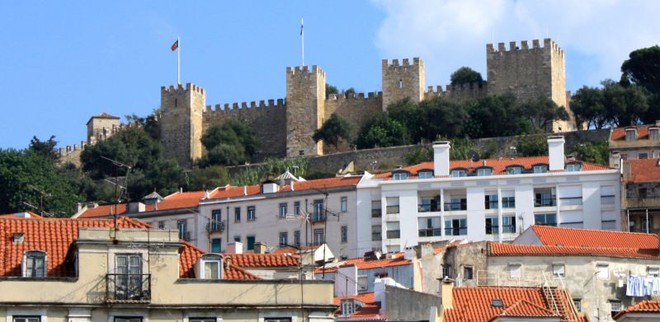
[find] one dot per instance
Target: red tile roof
(641, 307)
(594, 238)
(26, 214)
(643, 170)
(368, 312)
(474, 304)
(361, 263)
(619, 133)
(251, 260)
(55, 236)
(504, 249)
(499, 165)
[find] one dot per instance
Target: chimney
(269, 187)
(556, 152)
(135, 207)
(260, 248)
(235, 248)
(441, 158)
(446, 293)
(615, 159)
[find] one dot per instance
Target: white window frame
(458, 173)
(13, 313)
(26, 259)
(343, 204)
(515, 270)
(425, 174)
(602, 271)
(559, 269)
(363, 283)
(209, 260)
(284, 208)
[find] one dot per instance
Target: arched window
(34, 264)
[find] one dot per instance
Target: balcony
(215, 227)
(128, 288)
(185, 235)
(545, 202)
(428, 207)
(318, 217)
(456, 205)
(376, 213)
(393, 209)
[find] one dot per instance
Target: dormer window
(540, 168)
(210, 267)
(573, 167)
(514, 169)
(349, 307)
(654, 133)
(458, 173)
(400, 175)
(631, 134)
(34, 264)
(485, 171)
(425, 174)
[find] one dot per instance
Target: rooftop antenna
(117, 165)
(42, 194)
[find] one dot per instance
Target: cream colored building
(59, 270)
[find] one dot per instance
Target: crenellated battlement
(179, 89)
(304, 70)
(394, 63)
(354, 96)
(548, 44)
(262, 104)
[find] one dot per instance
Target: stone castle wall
(305, 100)
(401, 80)
(356, 108)
(181, 122)
(458, 94)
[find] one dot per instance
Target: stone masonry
(285, 127)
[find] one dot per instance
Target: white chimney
(441, 158)
(235, 248)
(556, 152)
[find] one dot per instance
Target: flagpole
(302, 39)
(178, 61)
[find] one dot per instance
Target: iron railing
(128, 287)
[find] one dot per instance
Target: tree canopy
(333, 131)
(231, 143)
(466, 75)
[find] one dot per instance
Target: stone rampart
(458, 93)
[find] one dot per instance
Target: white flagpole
(178, 61)
(302, 39)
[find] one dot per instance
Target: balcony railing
(215, 226)
(545, 202)
(128, 287)
(376, 213)
(456, 205)
(393, 209)
(185, 235)
(428, 207)
(318, 218)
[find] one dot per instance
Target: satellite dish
(474, 156)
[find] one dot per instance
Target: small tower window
(176, 102)
(34, 264)
(400, 83)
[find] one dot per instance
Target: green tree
(466, 75)
(643, 68)
(44, 148)
(503, 108)
(532, 145)
(542, 112)
(206, 178)
(29, 179)
(231, 143)
(441, 118)
(330, 89)
(382, 131)
(594, 152)
(408, 113)
(624, 105)
(150, 123)
(333, 131)
(588, 107)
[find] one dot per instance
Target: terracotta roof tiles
(251, 260)
(652, 306)
(594, 238)
(643, 170)
(370, 311)
(505, 249)
(361, 263)
(619, 133)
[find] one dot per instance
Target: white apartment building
(295, 213)
(493, 199)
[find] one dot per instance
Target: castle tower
(181, 122)
(529, 73)
(305, 109)
(403, 80)
(101, 127)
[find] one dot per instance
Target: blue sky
(64, 61)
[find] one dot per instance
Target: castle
(285, 126)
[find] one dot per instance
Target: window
(482, 172)
(376, 234)
(602, 271)
(653, 270)
(202, 319)
(237, 214)
(211, 266)
(446, 270)
(467, 272)
(458, 173)
(347, 307)
(128, 283)
(26, 318)
(216, 245)
(376, 209)
(319, 214)
(490, 201)
(296, 237)
(578, 304)
(182, 226)
(425, 174)
(128, 319)
(319, 236)
(400, 175)
(509, 225)
(161, 225)
(515, 169)
(393, 230)
(429, 226)
(344, 204)
(515, 270)
(251, 213)
(545, 219)
(654, 133)
(34, 264)
(237, 239)
(284, 238)
(283, 209)
(363, 284)
(428, 204)
(296, 208)
(250, 242)
(392, 205)
(540, 168)
(574, 167)
(643, 155)
(544, 197)
(456, 203)
(631, 134)
(277, 319)
(508, 202)
(216, 219)
(558, 269)
(344, 234)
(455, 227)
(615, 307)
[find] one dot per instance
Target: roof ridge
(525, 302)
(591, 229)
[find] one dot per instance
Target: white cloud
(447, 34)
